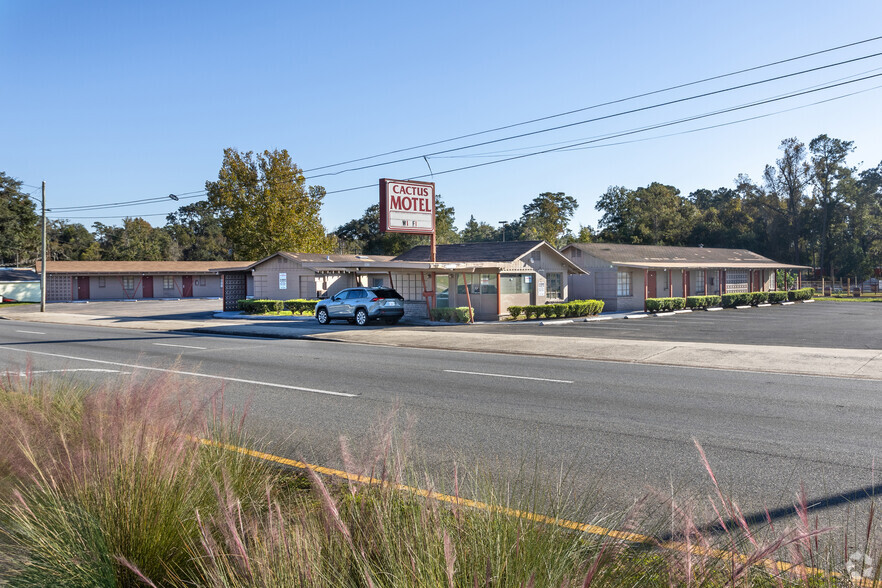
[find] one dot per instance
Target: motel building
(489, 277)
(68, 281)
(624, 276)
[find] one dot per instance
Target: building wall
(21, 291)
(110, 287)
(267, 283)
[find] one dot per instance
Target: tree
(19, 224)
(198, 233)
(722, 220)
(654, 215)
(788, 182)
(71, 242)
(548, 217)
(474, 232)
(362, 235)
(264, 205)
(829, 175)
(136, 240)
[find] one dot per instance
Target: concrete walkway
(850, 363)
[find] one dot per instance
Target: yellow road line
(588, 528)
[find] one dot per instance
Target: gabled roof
(136, 267)
(484, 251)
(499, 251)
(677, 257)
(309, 258)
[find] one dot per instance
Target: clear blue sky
(114, 101)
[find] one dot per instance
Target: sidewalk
(850, 363)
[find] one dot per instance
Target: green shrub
(759, 298)
(450, 315)
(515, 311)
(737, 299)
(301, 306)
(776, 297)
(560, 310)
(665, 304)
(801, 294)
(703, 301)
(261, 306)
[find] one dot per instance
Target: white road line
(183, 373)
(509, 376)
(186, 346)
(31, 332)
(37, 372)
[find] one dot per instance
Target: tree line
(810, 207)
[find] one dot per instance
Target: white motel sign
(407, 207)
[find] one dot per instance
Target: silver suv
(360, 305)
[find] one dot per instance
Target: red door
(82, 288)
(147, 287)
(687, 286)
(757, 281)
(188, 286)
(650, 285)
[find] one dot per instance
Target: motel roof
(493, 252)
(17, 274)
(671, 257)
(85, 268)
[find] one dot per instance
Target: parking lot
(838, 325)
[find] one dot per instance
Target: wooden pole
(468, 298)
(43, 265)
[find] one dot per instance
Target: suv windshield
(387, 293)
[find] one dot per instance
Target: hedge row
(663, 304)
(451, 315)
(703, 301)
(270, 306)
(801, 294)
(567, 309)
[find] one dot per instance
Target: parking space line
(183, 373)
(509, 376)
(184, 346)
(30, 332)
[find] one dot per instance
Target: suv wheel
(322, 316)
(361, 317)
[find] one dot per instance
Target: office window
(128, 282)
(168, 282)
(623, 284)
(517, 283)
(554, 285)
(102, 281)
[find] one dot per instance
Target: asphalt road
(616, 430)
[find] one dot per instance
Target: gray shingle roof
(617, 253)
(18, 275)
(472, 252)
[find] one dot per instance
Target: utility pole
(43, 258)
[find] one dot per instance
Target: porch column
(498, 295)
(704, 273)
(645, 287)
(468, 296)
(683, 272)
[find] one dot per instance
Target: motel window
(517, 283)
(442, 291)
(168, 283)
(623, 284)
(575, 252)
(554, 285)
(473, 282)
(102, 281)
(699, 282)
(128, 282)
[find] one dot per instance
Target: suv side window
(356, 294)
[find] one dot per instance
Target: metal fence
(843, 286)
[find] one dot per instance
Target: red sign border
(384, 216)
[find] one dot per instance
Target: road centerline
(185, 373)
(509, 376)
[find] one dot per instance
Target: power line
(600, 105)
(182, 196)
(661, 125)
(600, 118)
